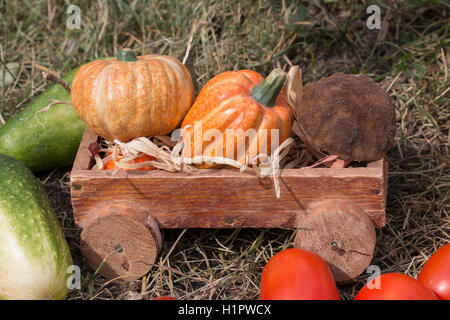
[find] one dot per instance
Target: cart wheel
(125, 237)
(342, 234)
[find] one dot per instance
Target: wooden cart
(335, 210)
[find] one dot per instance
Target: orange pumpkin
(110, 165)
(241, 110)
(132, 96)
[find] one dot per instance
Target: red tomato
(165, 298)
(396, 286)
(296, 274)
(435, 274)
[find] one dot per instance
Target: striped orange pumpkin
(233, 102)
(131, 97)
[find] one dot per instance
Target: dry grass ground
(409, 57)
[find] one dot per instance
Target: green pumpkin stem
(267, 91)
(126, 55)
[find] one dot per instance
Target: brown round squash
(131, 97)
(347, 115)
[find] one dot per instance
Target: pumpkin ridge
(266, 123)
(168, 60)
(254, 77)
(151, 88)
(164, 118)
(220, 82)
(179, 71)
(99, 100)
(221, 124)
(132, 79)
(234, 122)
(209, 103)
(141, 93)
(218, 109)
(119, 95)
(80, 82)
(159, 96)
(262, 114)
(171, 99)
(205, 120)
(176, 98)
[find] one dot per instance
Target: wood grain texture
(226, 198)
(128, 246)
(342, 234)
(83, 159)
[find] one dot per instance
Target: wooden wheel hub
(128, 246)
(342, 234)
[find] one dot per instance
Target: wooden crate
(334, 209)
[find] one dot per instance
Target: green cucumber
(34, 255)
(53, 141)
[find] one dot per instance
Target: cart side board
(224, 198)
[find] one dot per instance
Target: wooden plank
(83, 159)
(229, 173)
(225, 198)
(377, 164)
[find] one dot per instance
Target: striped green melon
(53, 141)
(34, 255)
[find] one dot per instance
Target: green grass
(410, 59)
